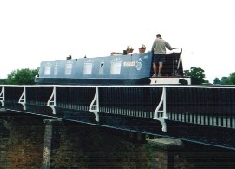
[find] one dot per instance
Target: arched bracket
(52, 101)
(163, 111)
(2, 96)
(94, 106)
(22, 99)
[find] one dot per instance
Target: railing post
(164, 103)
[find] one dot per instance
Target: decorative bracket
(157, 111)
(22, 99)
(52, 101)
(2, 96)
(94, 106)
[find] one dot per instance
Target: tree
(22, 77)
(2, 81)
(224, 81)
(216, 81)
(197, 75)
(231, 79)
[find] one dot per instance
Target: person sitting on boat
(159, 53)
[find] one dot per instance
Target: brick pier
(33, 142)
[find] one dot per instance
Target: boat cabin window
(55, 69)
(68, 68)
(87, 68)
(115, 67)
(47, 70)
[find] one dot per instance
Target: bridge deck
(186, 112)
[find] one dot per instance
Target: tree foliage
(22, 77)
(216, 81)
(197, 75)
(224, 81)
(230, 80)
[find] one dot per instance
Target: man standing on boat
(159, 53)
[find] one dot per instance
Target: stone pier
(164, 151)
(51, 140)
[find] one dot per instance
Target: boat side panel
(135, 66)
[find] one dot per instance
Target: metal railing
(203, 105)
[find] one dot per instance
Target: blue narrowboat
(119, 69)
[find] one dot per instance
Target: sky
(32, 31)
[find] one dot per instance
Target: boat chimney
(69, 57)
